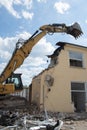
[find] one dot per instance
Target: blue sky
(21, 18)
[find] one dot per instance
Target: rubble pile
(19, 117)
(10, 101)
(33, 110)
(68, 116)
(7, 118)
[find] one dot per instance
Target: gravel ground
(75, 125)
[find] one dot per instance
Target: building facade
(62, 87)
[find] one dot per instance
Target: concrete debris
(68, 116)
(8, 118)
(25, 120)
(21, 119)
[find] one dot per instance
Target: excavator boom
(20, 53)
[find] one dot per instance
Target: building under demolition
(62, 87)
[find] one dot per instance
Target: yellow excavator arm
(20, 53)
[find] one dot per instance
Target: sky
(21, 18)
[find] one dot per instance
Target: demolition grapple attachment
(75, 30)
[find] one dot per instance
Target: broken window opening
(54, 56)
(54, 61)
(78, 96)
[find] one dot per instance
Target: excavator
(11, 82)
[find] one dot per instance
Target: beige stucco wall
(59, 98)
(36, 83)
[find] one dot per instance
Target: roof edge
(60, 43)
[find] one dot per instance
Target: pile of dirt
(10, 101)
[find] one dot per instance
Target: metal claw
(75, 30)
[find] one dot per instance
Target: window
(77, 87)
(76, 59)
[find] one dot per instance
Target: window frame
(76, 64)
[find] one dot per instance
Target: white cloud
(42, 1)
(34, 61)
(85, 21)
(28, 3)
(61, 7)
(27, 15)
(43, 48)
(8, 4)
(28, 74)
(4, 54)
(2, 66)
(25, 35)
(17, 2)
(8, 44)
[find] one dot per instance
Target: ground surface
(75, 125)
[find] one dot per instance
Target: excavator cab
(16, 80)
(11, 85)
